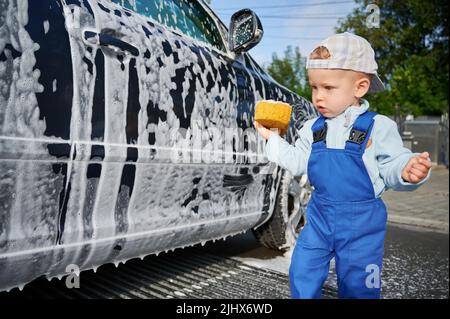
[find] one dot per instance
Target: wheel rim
(299, 194)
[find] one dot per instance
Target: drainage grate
(188, 273)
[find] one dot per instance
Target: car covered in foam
(126, 130)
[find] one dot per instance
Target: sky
(302, 23)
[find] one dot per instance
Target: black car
(127, 129)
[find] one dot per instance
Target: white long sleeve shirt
(384, 159)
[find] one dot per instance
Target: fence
(443, 136)
(428, 134)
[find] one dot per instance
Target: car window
(187, 16)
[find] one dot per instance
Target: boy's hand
(417, 168)
(264, 132)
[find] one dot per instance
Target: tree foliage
(290, 71)
(411, 47)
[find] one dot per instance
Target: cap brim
(376, 85)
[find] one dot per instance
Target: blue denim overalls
(344, 219)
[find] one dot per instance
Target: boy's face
(333, 90)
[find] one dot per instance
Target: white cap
(349, 52)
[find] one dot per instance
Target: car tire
(282, 229)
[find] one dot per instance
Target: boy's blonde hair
(320, 53)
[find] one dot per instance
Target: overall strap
(319, 129)
(360, 133)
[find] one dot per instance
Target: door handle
(110, 41)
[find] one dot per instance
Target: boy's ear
(362, 86)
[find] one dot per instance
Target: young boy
(351, 156)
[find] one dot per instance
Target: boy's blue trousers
(344, 220)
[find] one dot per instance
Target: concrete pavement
(427, 206)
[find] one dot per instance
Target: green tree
(290, 71)
(411, 47)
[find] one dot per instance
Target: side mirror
(245, 31)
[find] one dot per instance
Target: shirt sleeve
(294, 158)
(391, 155)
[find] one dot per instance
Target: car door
(39, 119)
(155, 167)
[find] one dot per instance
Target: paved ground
(427, 206)
(415, 264)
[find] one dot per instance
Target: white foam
(46, 26)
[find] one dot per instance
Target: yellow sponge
(273, 114)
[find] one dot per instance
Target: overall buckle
(320, 135)
(357, 136)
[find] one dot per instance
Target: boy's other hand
(417, 168)
(264, 132)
